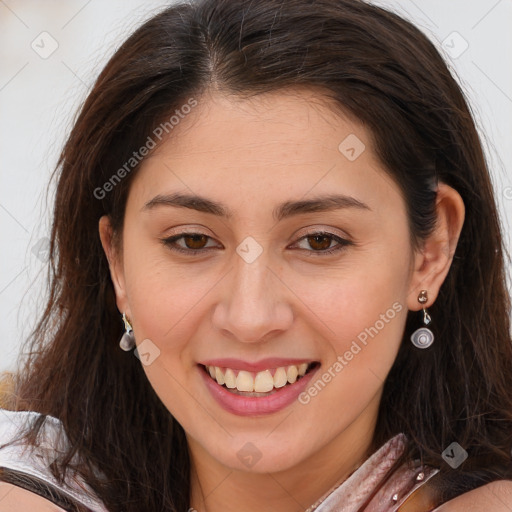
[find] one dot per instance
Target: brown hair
(377, 67)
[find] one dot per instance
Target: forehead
(290, 142)
(295, 119)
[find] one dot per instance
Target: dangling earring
(128, 339)
(423, 337)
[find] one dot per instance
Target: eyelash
(342, 243)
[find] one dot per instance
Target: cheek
(360, 347)
(159, 292)
(364, 294)
(368, 322)
(354, 312)
(359, 322)
(162, 300)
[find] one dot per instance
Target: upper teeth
(260, 382)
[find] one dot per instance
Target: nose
(256, 303)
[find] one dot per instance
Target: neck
(216, 488)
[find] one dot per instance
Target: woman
(285, 207)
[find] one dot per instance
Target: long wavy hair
(386, 73)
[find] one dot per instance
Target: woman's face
(303, 260)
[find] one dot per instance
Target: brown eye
(188, 243)
(195, 241)
(319, 242)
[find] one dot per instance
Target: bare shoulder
(16, 499)
(495, 497)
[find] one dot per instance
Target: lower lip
(256, 406)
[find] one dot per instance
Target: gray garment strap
(31, 465)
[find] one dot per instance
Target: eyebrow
(287, 209)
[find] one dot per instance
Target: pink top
(348, 496)
(353, 493)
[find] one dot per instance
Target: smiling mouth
(258, 384)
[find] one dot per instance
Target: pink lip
(264, 364)
(256, 406)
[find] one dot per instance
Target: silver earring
(128, 339)
(423, 337)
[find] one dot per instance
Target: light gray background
(40, 93)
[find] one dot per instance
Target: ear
(115, 264)
(433, 261)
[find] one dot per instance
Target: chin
(259, 457)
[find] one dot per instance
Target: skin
(252, 155)
(495, 496)
(194, 308)
(15, 499)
